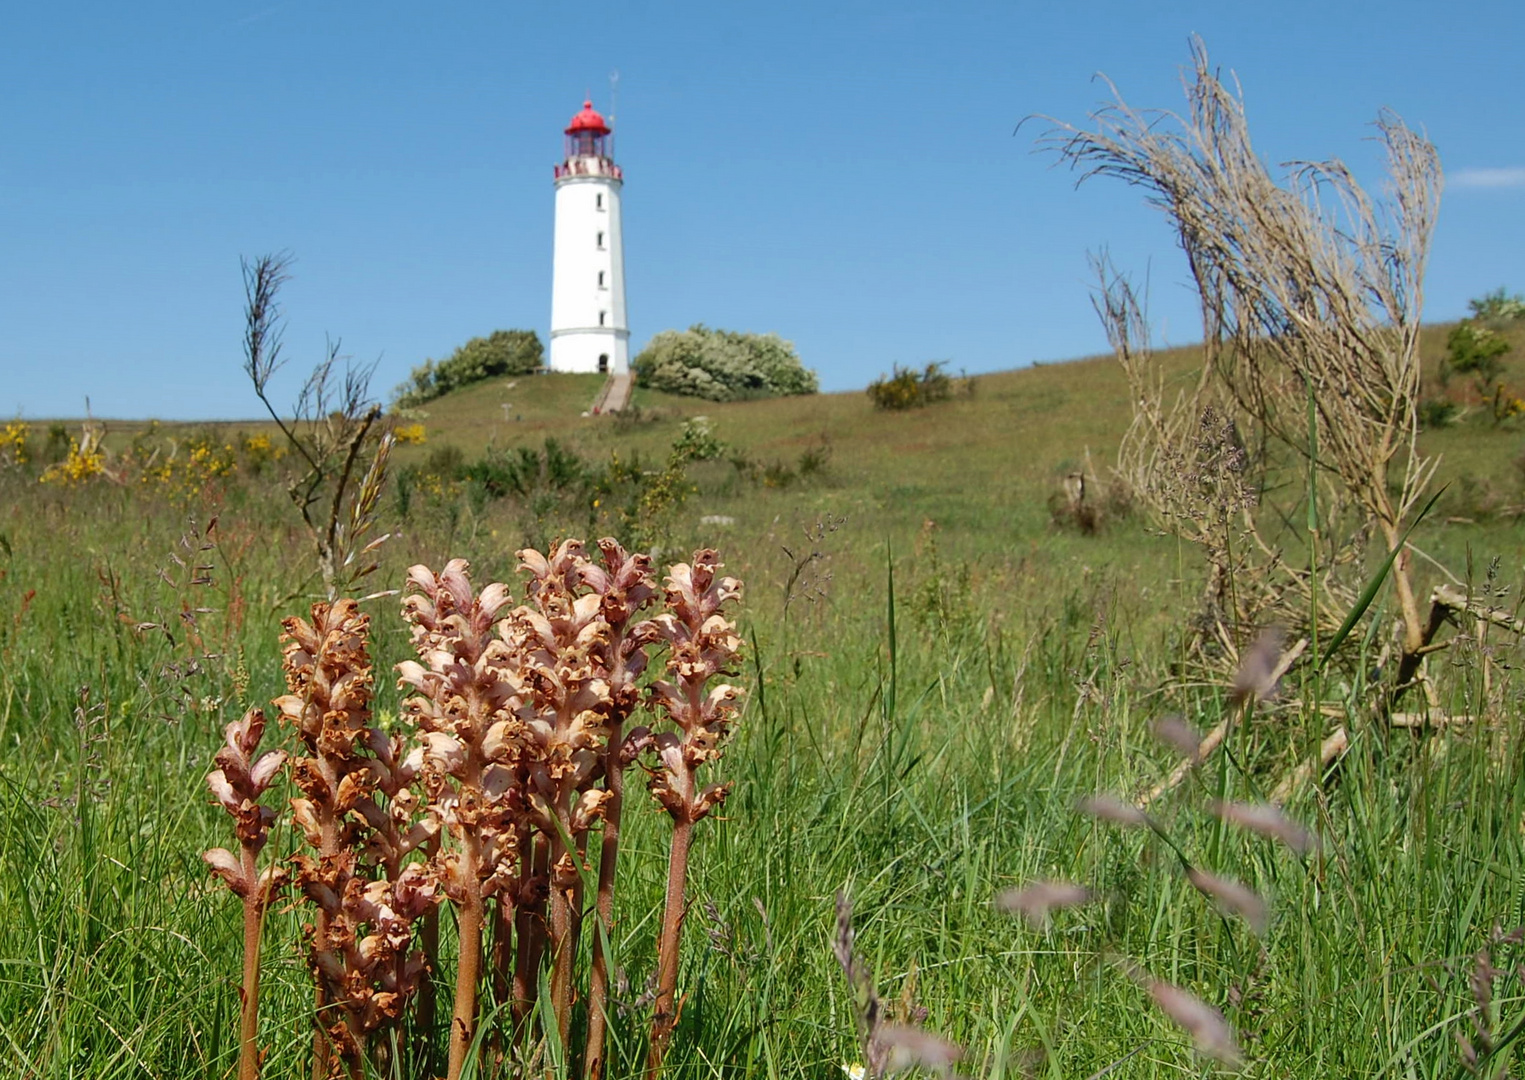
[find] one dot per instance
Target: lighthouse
(588, 328)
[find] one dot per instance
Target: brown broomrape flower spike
(241, 777)
(563, 648)
(626, 585)
(702, 643)
(359, 944)
(466, 714)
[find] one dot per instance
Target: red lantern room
(588, 135)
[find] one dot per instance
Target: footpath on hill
(615, 394)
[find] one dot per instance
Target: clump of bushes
(811, 463)
(1498, 306)
(723, 365)
(908, 388)
(503, 352)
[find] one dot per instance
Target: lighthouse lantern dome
(587, 134)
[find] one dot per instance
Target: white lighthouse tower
(588, 328)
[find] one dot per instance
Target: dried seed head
(1232, 898)
(1111, 809)
(1205, 1024)
(908, 1047)
(1267, 821)
(1256, 678)
(1176, 733)
(1034, 901)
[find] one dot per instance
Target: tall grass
(920, 755)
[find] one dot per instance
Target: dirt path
(615, 394)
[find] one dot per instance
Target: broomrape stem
(665, 1019)
(463, 1023)
(531, 938)
(254, 917)
(608, 860)
(423, 1050)
(561, 960)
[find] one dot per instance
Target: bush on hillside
(1476, 350)
(503, 352)
(723, 365)
(1498, 306)
(908, 388)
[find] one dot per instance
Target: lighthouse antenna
(614, 88)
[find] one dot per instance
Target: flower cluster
(503, 783)
(360, 942)
(85, 462)
(13, 443)
(185, 476)
(702, 644)
(242, 776)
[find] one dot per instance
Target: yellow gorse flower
(410, 434)
(13, 443)
(84, 462)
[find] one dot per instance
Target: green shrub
(697, 441)
(723, 365)
(1476, 350)
(908, 388)
(1437, 413)
(503, 352)
(1498, 306)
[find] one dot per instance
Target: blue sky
(844, 174)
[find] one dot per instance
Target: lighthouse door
(603, 363)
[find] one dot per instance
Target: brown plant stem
(463, 1022)
(423, 1036)
(665, 1019)
(254, 917)
(505, 912)
(608, 860)
(529, 925)
(562, 930)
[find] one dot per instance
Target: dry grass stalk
(1334, 744)
(888, 1048)
(1255, 679)
(242, 776)
(1311, 294)
(333, 426)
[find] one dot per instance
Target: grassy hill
(981, 466)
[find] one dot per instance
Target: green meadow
(937, 672)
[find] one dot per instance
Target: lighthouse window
(600, 240)
(600, 279)
(601, 316)
(598, 202)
